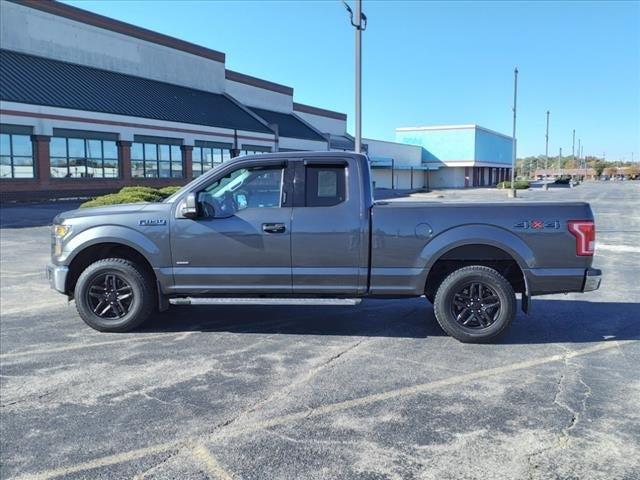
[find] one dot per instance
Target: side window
(325, 186)
(245, 188)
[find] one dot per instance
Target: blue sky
(430, 63)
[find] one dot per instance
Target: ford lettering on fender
(303, 228)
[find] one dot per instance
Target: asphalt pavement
(369, 392)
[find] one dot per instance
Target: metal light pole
(360, 25)
(512, 192)
(546, 147)
(573, 147)
(560, 161)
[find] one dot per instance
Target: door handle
(273, 228)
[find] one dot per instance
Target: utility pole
(359, 21)
(512, 192)
(546, 147)
(578, 163)
(573, 147)
(560, 161)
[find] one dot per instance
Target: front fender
(477, 234)
(115, 234)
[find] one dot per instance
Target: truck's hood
(111, 210)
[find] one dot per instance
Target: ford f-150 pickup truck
(303, 228)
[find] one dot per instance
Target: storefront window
(83, 158)
(205, 158)
(16, 156)
(156, 160)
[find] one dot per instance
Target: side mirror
(190, 206)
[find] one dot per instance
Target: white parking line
(324, 410)
(617, 248)
(90, 345)
(208, 461)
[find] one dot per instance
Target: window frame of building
(153, 151)
(97, 162)
(10, 133)
(219, 150)
(248, 149)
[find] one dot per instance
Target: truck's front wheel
(475, 304)
(114, 295)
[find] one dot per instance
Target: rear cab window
(325, 185)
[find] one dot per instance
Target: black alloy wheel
(475, 305)
(109, 296)
(115, 295)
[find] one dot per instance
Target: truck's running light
(585, 233)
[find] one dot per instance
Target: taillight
(585, 233)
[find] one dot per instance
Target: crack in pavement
(564, 436)
(325, 409)
(188, 444)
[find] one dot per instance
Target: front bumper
(592, 279)
(57, 276)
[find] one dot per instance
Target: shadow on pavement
(552, 321)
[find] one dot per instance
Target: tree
(599, 166)
(633, 171)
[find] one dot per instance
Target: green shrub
(139, 189)
(518, 184)
(134, 194)
(168, 191)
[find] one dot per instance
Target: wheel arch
(98, 251)
(484, 245)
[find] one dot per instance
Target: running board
(263, 301)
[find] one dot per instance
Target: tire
(468, 320)
(114, 295)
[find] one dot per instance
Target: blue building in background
(461, 155)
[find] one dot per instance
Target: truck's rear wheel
(114, 295)
(475, 304)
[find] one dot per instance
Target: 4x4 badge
(538, 225)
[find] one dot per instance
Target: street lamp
(360, 25)
(512, 191)
(546, 148)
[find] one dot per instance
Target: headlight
(59, 231)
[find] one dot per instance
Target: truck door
(241, 243)
(327, 229)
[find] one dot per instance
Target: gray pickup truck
(303, 228)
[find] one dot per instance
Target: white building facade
(89, 104)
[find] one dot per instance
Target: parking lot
(369, 392)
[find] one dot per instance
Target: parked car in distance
(303, 228)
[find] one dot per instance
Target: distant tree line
(527, 166)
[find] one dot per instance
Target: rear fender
(476, 235)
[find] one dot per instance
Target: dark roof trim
(207, 144)
(86, 134)
(98, 121)
(300, 107)
(257, 82)
(255, 148)
(157, 140)
(90, 18)
(16, 129)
